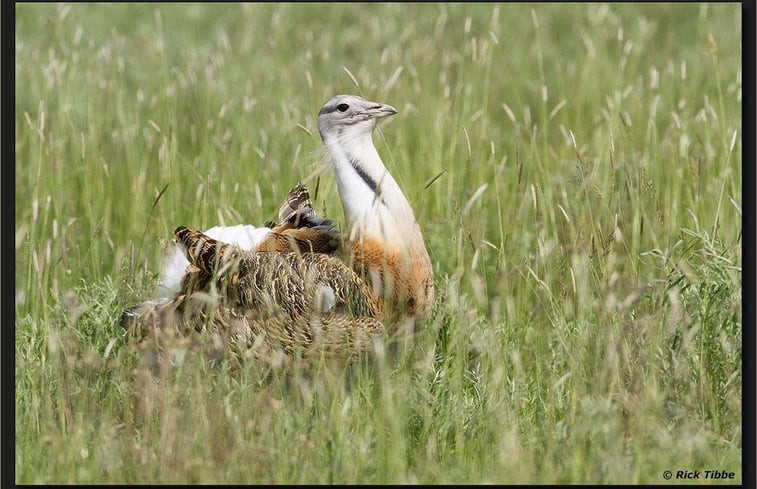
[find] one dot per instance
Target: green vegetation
(585, 230)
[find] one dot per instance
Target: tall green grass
(576, 170)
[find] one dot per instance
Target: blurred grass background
(576, 171)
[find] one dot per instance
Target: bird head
(350, 115)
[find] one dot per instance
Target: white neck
(382, 213)
(384, 236)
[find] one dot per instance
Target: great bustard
(386, 243)
(294, 295)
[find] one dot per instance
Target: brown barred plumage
(271, 296)
(274, 299)
(290, 294)
(269, 304)
(299, 228)
(278, 282)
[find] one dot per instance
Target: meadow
(576, 172)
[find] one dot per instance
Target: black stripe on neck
(372, 184)
(366, 178)
(363, 174)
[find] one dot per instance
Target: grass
(576, 170)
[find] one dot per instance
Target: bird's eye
(342, 107)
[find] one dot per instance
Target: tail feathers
(204, 252)
(300, 229)
(297, 211)
(297, 206)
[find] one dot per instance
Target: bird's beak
(380, 110)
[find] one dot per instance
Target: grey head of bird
(350, 115)
(371, 199)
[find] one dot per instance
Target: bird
(296, 287)
(386, 245)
